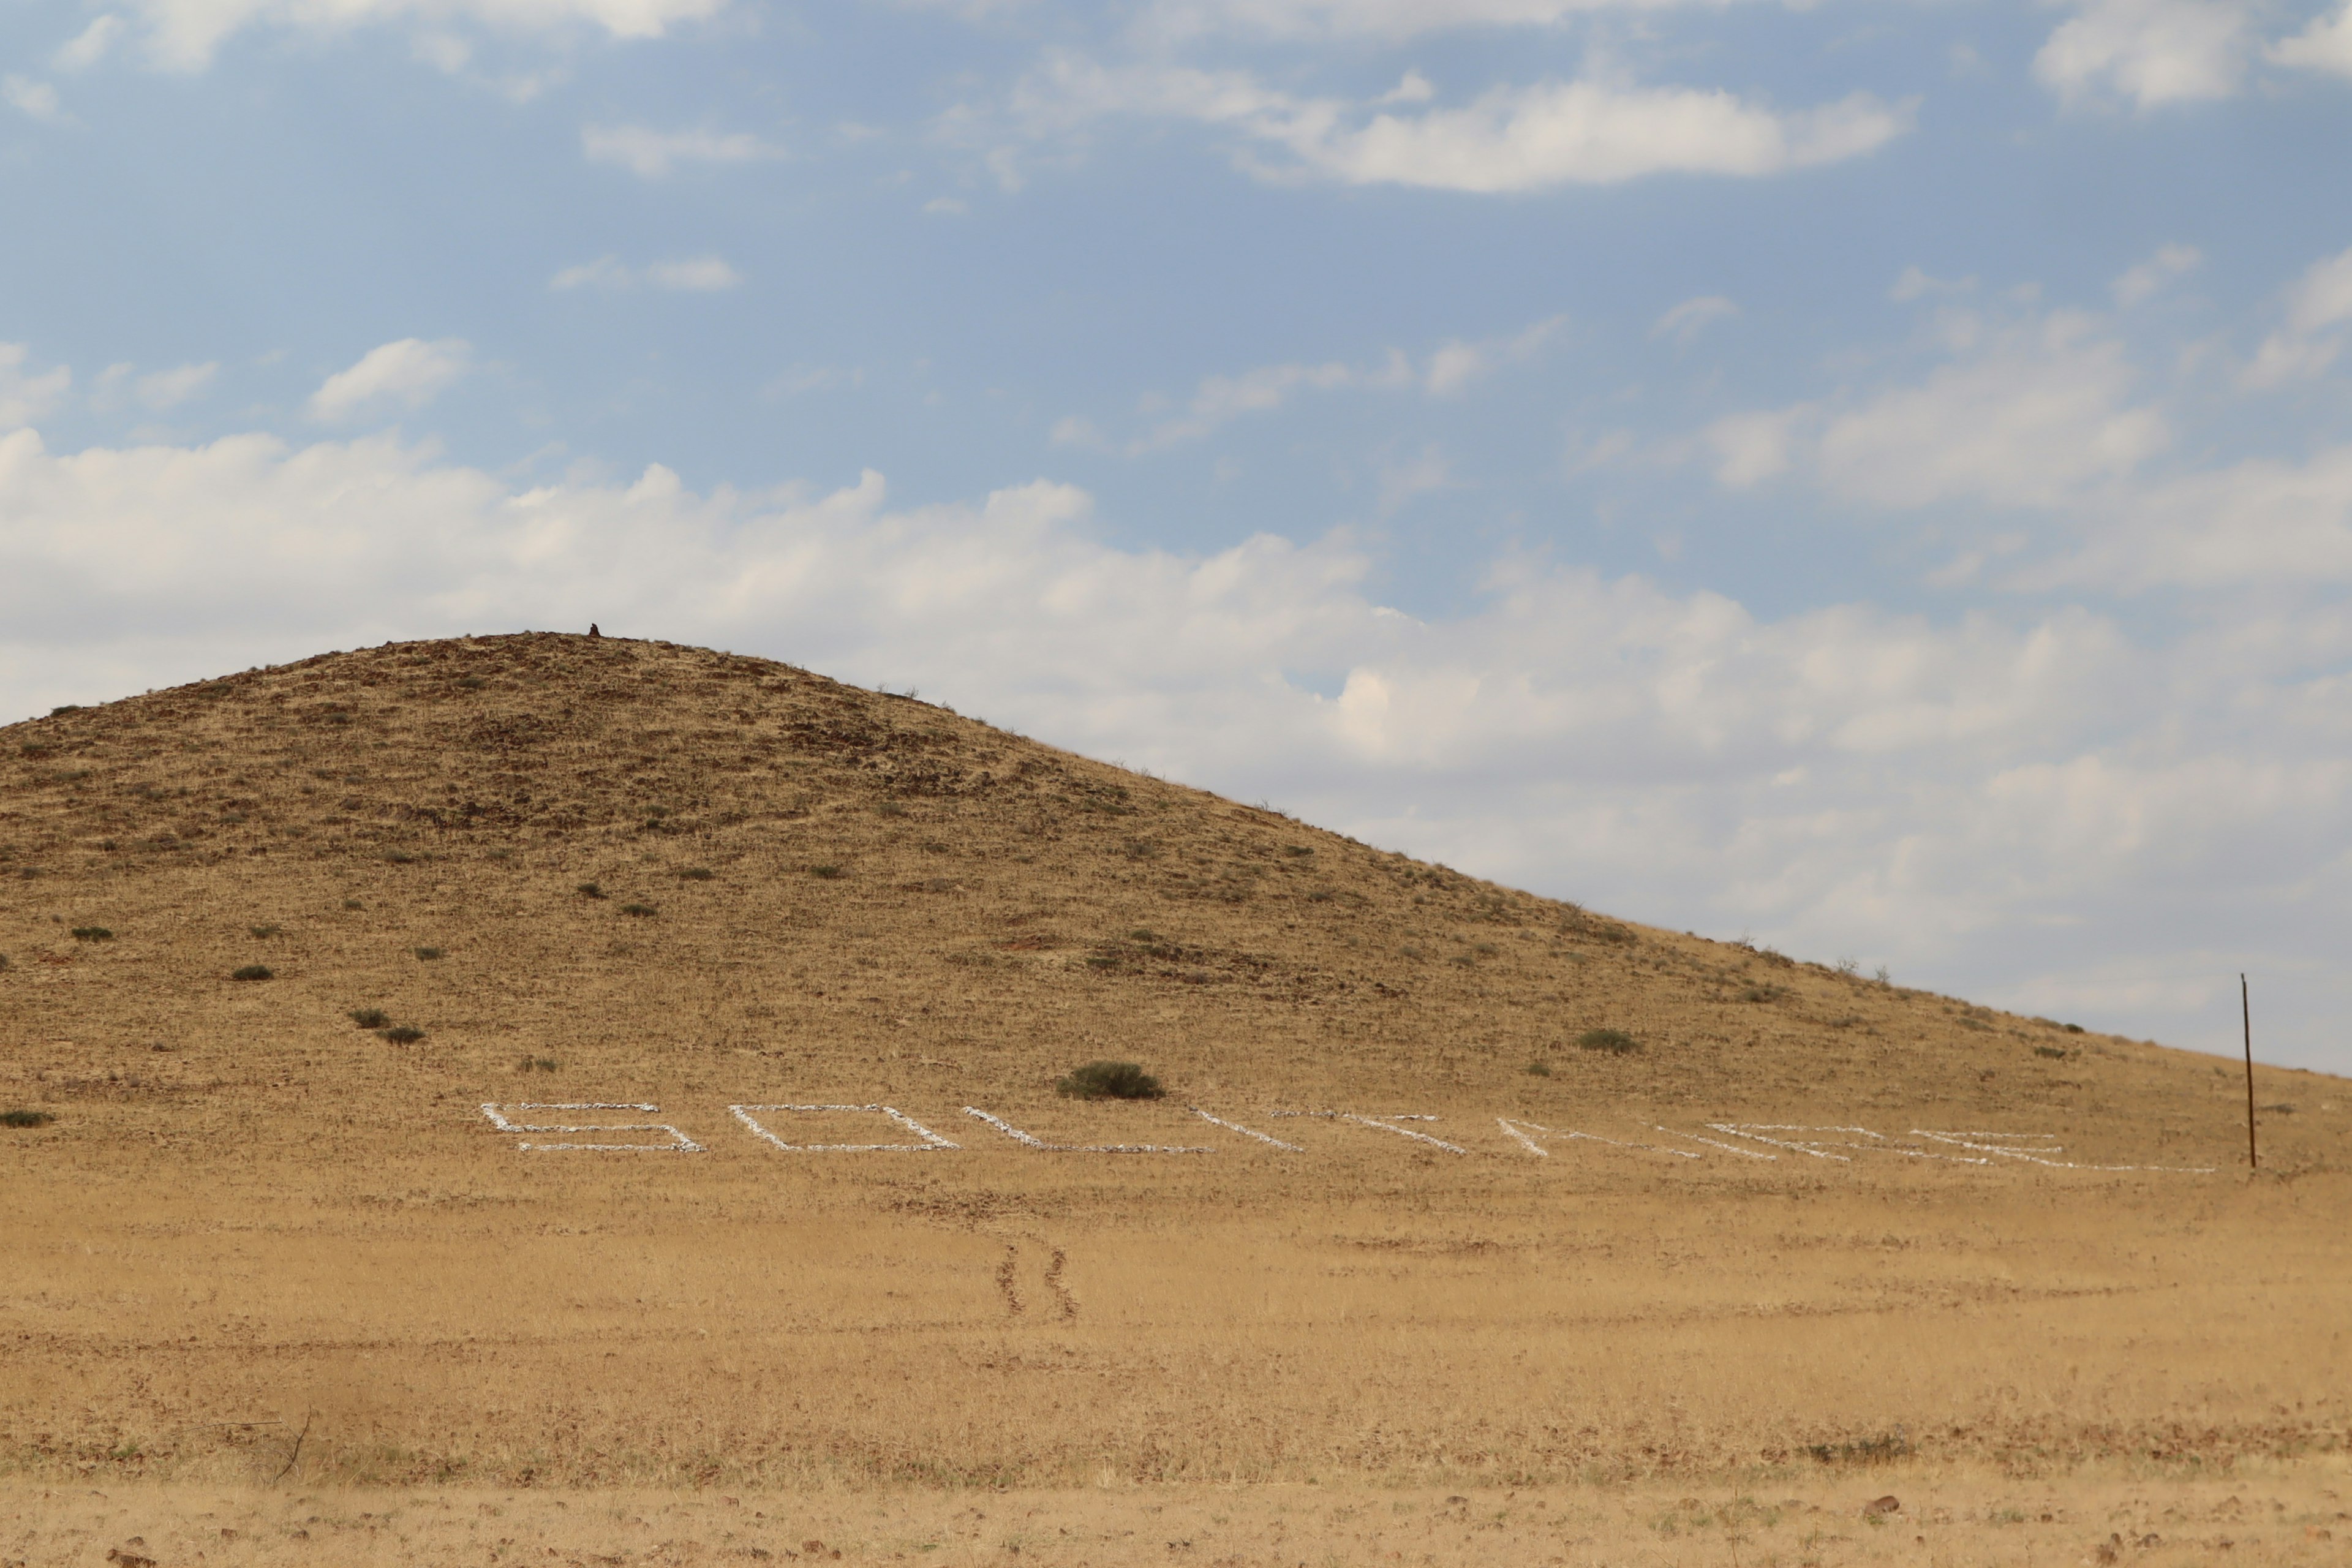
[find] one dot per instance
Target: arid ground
(280, 1290)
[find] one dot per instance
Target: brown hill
(849, 880)
(568, 870)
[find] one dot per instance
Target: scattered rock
(115, 1554)
(1887, 1504)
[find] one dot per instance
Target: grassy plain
(253, 1220)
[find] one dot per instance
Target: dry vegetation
(547, 868)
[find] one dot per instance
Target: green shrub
(642, 912)
(537, 1064)
(25, 1118)
(430, 954)
(697, 873)
(370, 1017)
(589, 891)
(2055, 1053)
(2072, 1029)
(92, 933)
(1108, 1080)
(399, 858)
(252, 972)
(827, 872)
(890, 808)
(1616, 1042)
(65, 708)
(403, 1035)
(1538, 1069)
(263, 932)
(354, 904)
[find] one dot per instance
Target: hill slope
(845, 876)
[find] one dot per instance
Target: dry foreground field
(279, 1288)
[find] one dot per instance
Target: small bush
(1108, 1080)
(1538, 1069)
(92, 933)
(697, 873)
(252, 972)
(471, 682)
(2072, 1029)
(1616, 1042)
(2055, 1053)
(642, 912)
(430, 954)
(25, 1118)
(537, 1064)
(589, 891)
(399, 858)
(263, 932)
(1297, 849)
(403, 1035)
(890, 808)
(827, 872)
(65, 708)
(354, 904)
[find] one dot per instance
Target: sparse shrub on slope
(1616, 1042)
(25, 1118)
(252, 972)
(1108, 1080)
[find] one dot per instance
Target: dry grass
(2261, 1519)
(250, 1211)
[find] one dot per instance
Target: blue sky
(1878, 479)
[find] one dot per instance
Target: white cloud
(2152, 52)
(1752, 447)
(1454, 366)
(38, 99)
(165, 389)
(184, 34)
(2261, 522)
(2145, 282)
(2028, 416)
(1510, 139)
(26, 396)
(945, 206)
(605, 272)
(90, 46)
(1692, 317)
(1382, 19)
(2305, 344)
(2011, 804)
(2323, 46)
(410, 373)
(652, 155)
(1916, 284)
(694, 275)
(1222, 399)
(1400, 482)
(1219, 400)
